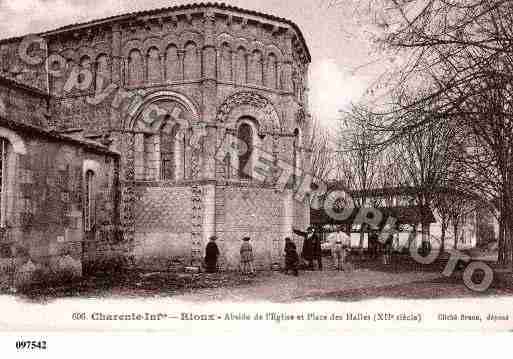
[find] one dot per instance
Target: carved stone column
(117, 62)
(139, 156)
(196, 225)
(287, 63)
(162, 68)
(181, 56)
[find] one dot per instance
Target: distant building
(476, 224)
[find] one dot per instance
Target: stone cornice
(278, 24)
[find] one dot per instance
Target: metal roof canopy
(402, 214)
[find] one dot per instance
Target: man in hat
(246, 256)
(339, 252)
(211, 255)
(311, 247)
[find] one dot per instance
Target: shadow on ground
(428, 284)
(439, 288)
(137, 284)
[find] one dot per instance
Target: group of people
(311, 252)
(246, 256)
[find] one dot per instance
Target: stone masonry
(206, 71)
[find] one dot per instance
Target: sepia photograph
(303, 166)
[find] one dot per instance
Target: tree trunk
(508, 232)
(425, 232)
(442, 239)
(500, 244)
(455, 226)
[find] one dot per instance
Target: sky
(343, 64)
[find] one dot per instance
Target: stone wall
(44, 231)
(254, 212)
(27, 105)
(163, 217)
(18, 67)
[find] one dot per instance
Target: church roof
(55, 136)
(216, 5)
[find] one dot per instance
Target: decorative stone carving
(197, 225)
(270, 120)
(240, 98)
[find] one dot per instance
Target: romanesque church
(109, 138)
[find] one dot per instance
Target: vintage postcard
(313, 166)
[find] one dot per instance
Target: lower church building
(133, 139)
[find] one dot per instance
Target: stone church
(110, 133)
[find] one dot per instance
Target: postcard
(263, 166)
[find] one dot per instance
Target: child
(246, 256)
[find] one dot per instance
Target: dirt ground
(365, 281)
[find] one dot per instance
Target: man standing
(317, 249)
(211, 255)
(311, 247)
(291, 257)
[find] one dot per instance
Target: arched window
(4, 145)
(255, 71)
(245, 134)
(173, 68)
(225, 63)
(102, 72)
(153, 66)
(70, 64)
(85, 65)
(272, 72)
(240, 66)
(135, 68)
(57, 82)
(191, 62)
(89, 201)
(168, 153)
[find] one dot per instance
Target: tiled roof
(220, 6)
(13, 83)
(53, 135)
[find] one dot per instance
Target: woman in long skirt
(211, 255)
(246, 256)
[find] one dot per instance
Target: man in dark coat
(373, 245)
(317, 249)
(291, 257)
(211, 255)
(311, 247)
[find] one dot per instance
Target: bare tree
(426, 157)
(360, 163)
(322, 152)
(460, 66)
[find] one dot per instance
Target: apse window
(168, 154)
(245, 135)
